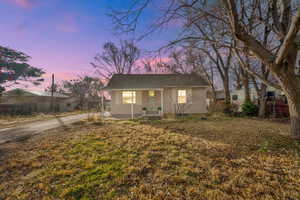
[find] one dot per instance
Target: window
(181, 96)
(151, 93)
(235, 97)
(271, 94)
(128, 97)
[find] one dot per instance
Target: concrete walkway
(28, 130)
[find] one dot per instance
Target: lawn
(218, 158)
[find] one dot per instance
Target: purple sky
(62, 36)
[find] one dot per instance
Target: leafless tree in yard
(116, 60)
(83, 88)
(283, 22)
(190, 60)
(210, 38)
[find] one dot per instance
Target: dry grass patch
(218, 158)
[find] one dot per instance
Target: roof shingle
(154, 81)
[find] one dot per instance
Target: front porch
(137, 103)
(152, 102)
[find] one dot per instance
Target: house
(238, 96)
(135, 95)
(37, 101)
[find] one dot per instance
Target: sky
(63, 36)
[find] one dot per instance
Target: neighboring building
(157, 94)
(220, 96)
(38, 101)
(238, 96)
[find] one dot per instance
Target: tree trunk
(246, 87)
(290, 83)
(262, 101)
(226, 88)
(247, 93)
(214, 96)
(294, 108)
(227, 93)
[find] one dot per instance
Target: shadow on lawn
(61, 123)
(234, 139)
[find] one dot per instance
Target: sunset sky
(63, 36)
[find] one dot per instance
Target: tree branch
(289, 38)
(250, 71)
(239, 32)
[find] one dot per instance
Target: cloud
(68, 24)
(23, 3)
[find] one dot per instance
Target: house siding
(118, 108)
(196, 101)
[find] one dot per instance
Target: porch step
(152, 117)
(152, 113)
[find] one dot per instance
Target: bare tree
(116, 60)
(282, 62)
(190, 60)
(234, 17)
(83, 88)
(154, 65)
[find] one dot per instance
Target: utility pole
(52, 94)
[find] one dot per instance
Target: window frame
(180, 95)
(151, 93)
(129, 98)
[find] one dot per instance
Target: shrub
(217, 106)
(230, 109)
(249, 109)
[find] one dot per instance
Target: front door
(151, 101)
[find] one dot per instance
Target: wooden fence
(277, 108)
(18, 109)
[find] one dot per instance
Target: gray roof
(154, 81)
(25, 92)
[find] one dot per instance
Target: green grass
(83, 167)
(217, 158)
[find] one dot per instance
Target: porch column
(162, 101)
(132, 116)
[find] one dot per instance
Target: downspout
(102, 103)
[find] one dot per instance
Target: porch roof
(154, 81)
